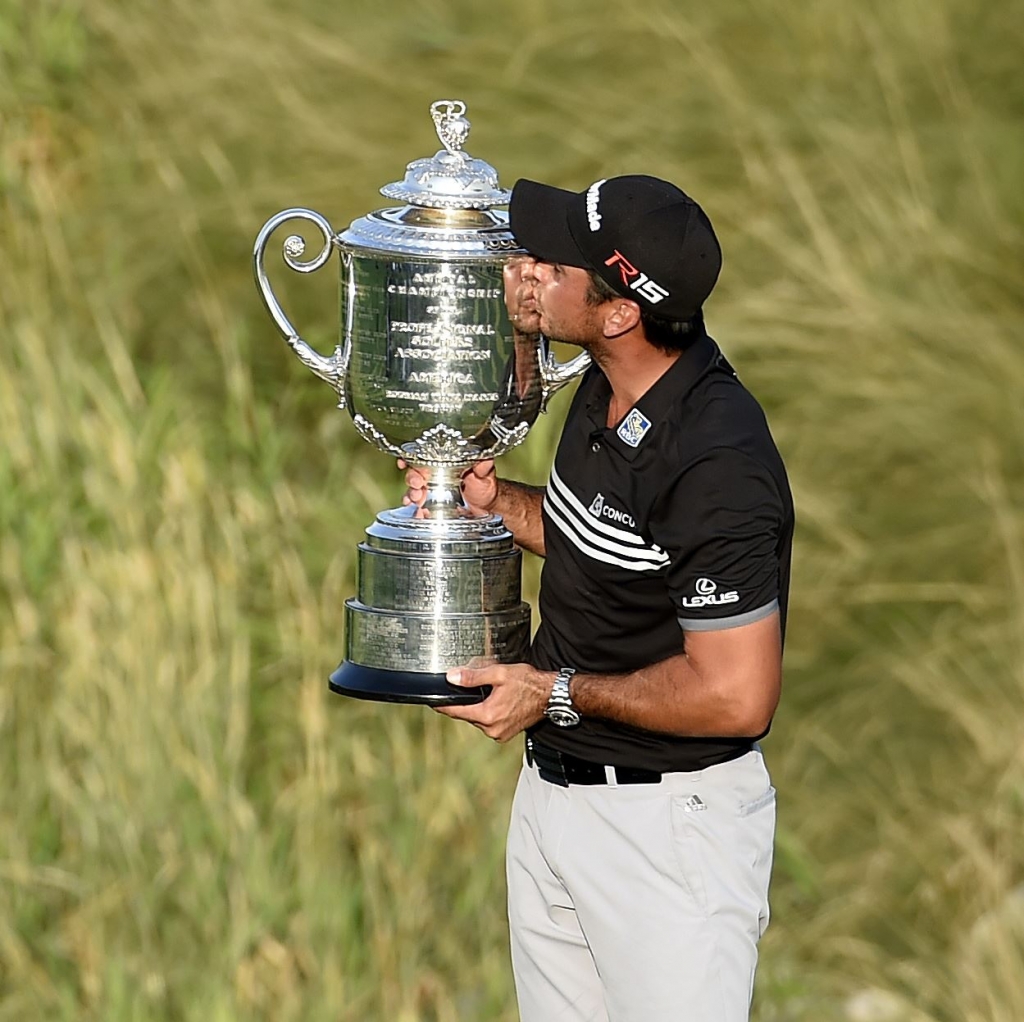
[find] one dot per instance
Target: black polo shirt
(677, 519)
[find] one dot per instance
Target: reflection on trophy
(430, 372)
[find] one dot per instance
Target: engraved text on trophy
(430, 340)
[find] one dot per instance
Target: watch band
(560, 710)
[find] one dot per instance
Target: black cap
(645, 237)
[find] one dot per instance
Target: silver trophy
(430, 372)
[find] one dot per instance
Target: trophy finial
(451, 124)
(451, 178)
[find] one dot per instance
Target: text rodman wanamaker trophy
(430, 371)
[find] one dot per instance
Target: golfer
(640, 843)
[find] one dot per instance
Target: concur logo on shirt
(708, 595)
(599, 509)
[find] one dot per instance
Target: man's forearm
(520, 506)
(671, 697)
(726, 684)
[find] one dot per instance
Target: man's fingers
(509, 707)
(474, 677)
(454, 711)
(482, 469)
(416, 481)
(481, 720)
(413, 476)
(492, 731)
(474, 713)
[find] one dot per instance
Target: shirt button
(596, 446)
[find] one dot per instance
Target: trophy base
(385, 686)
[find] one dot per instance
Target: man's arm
(726, 684)
(519, 504)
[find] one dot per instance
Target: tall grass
(190, 827)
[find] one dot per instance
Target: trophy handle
(554, 375)
(331, 370)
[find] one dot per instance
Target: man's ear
(621, 316)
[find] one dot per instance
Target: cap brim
(539, 218)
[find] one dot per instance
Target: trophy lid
(451, 178)
(448, 203)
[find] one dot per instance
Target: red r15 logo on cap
(636, 280)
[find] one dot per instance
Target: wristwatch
(560, 710)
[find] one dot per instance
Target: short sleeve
(720, 523)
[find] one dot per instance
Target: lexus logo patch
(709, 596)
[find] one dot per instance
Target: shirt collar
(656, 403)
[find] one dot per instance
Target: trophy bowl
(432, 372)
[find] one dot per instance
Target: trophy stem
(444, 492)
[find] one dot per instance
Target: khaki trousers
(643, 902)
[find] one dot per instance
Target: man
(640, 843)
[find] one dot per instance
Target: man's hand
(519, 695)
(519, 299)
(479, 487)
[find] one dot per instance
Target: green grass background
(190, 827)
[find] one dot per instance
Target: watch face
(563, 716)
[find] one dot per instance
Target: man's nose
(540, 271)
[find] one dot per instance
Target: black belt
(561, 768)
